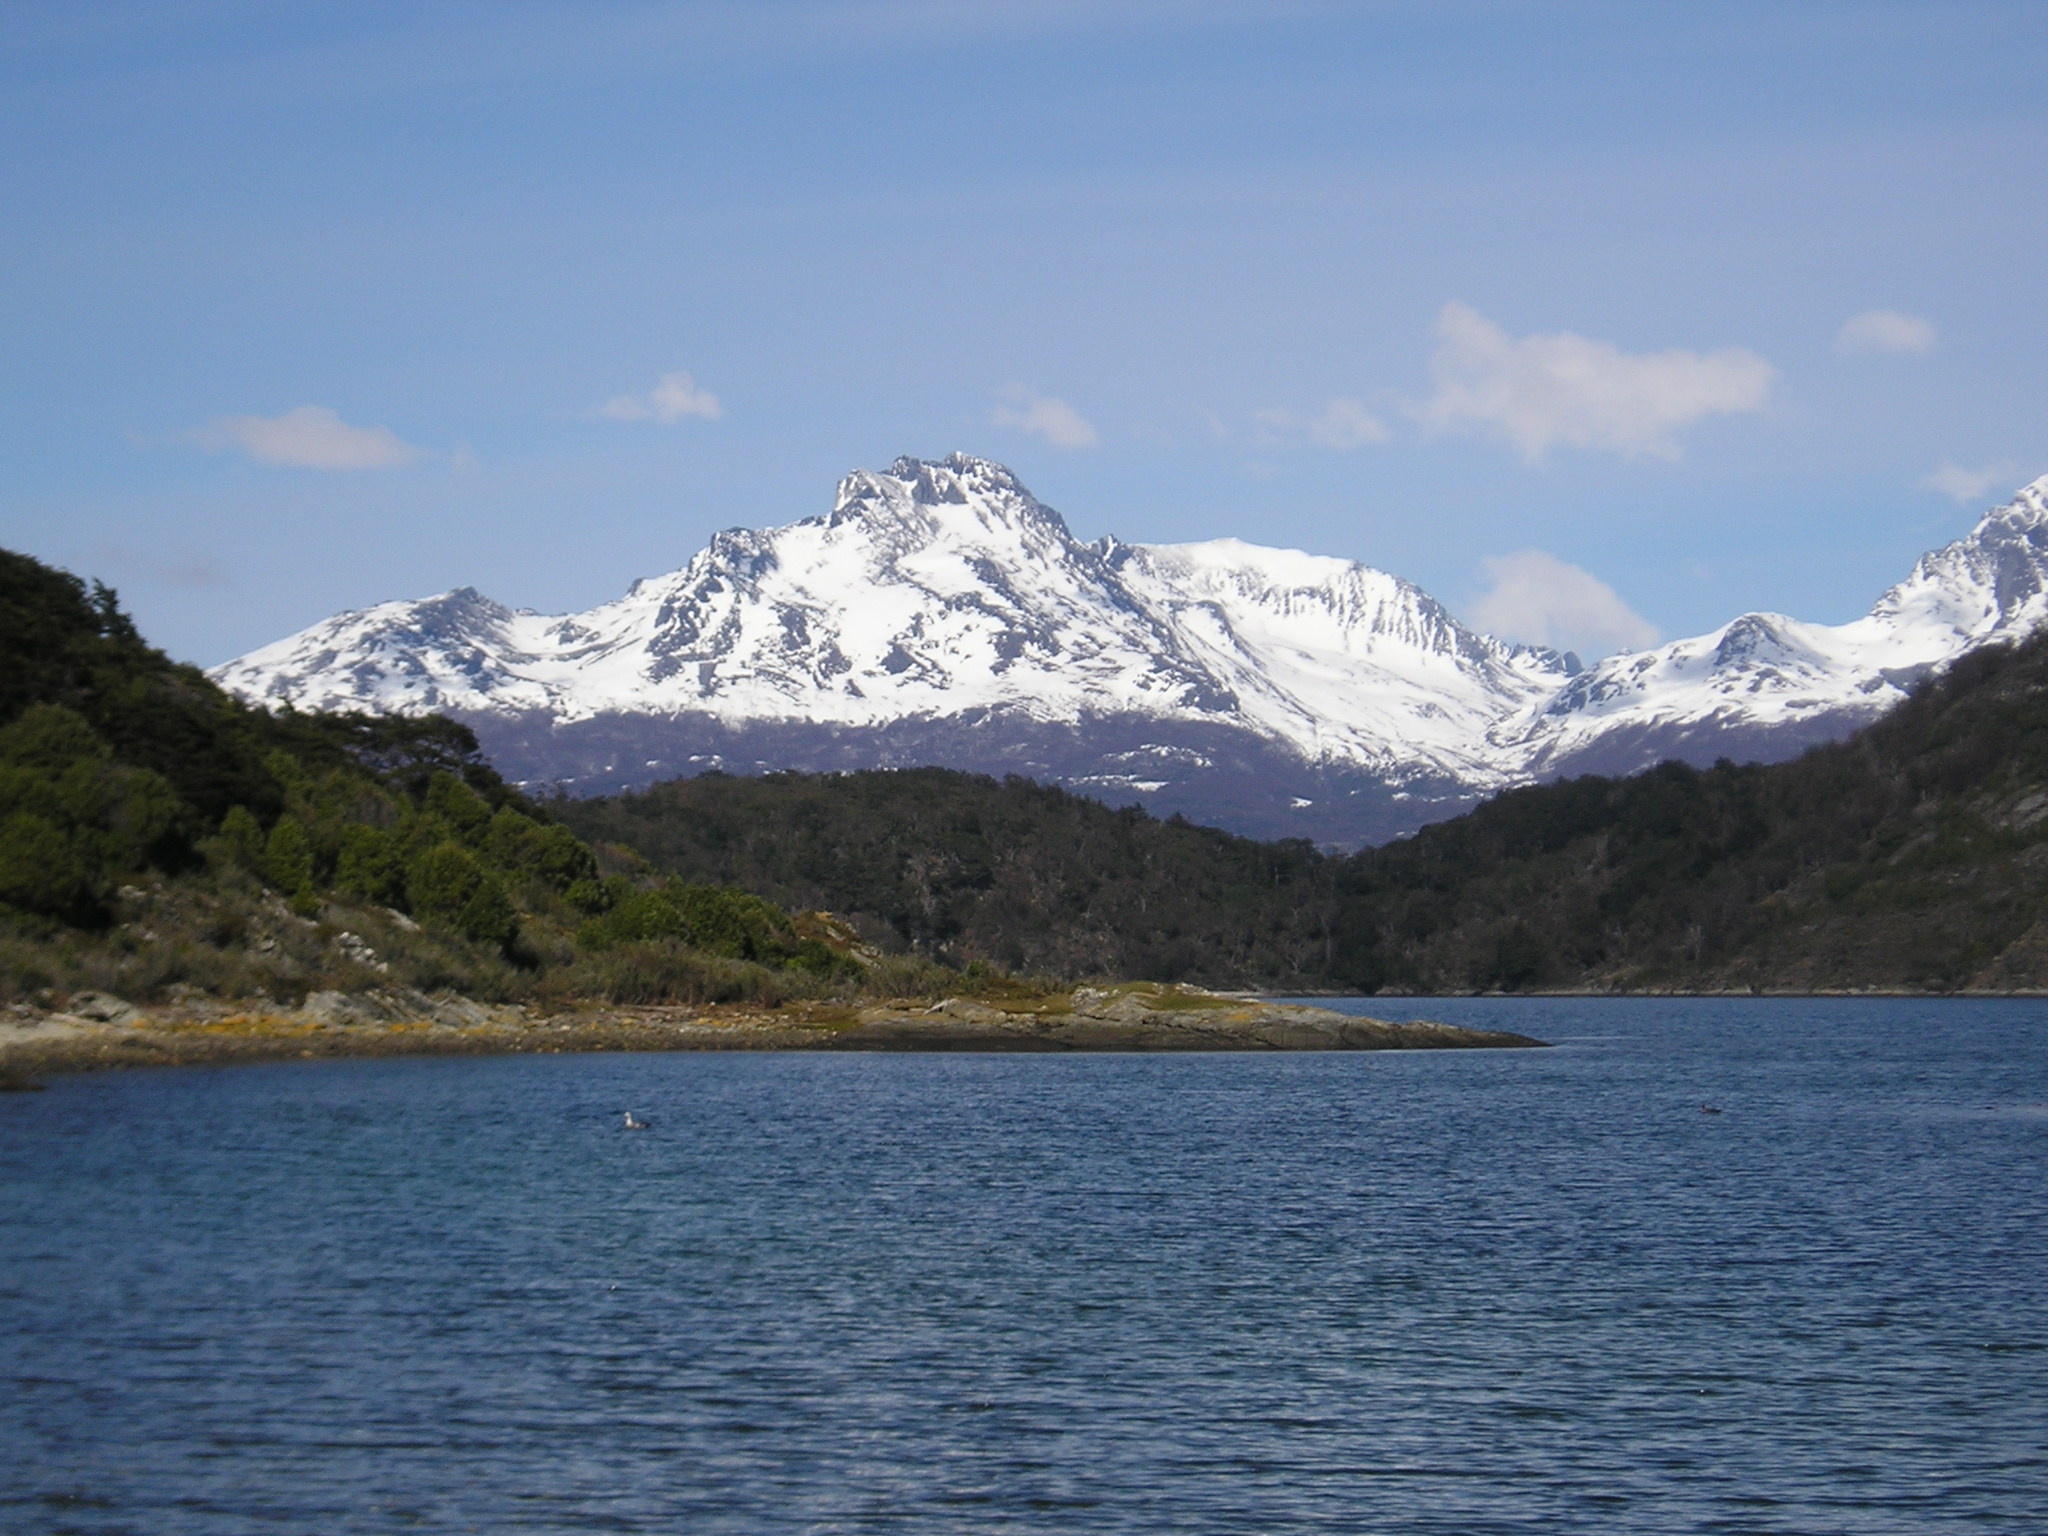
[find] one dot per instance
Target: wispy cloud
(1044, 416)
(310, 437)
(1882, 332)
(673, 398)
(1539, 599)
(1542, 391)
(1341, 425)
(1960, 484)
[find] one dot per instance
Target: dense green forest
(1016, 875)
(155, 833)
(1914, 855)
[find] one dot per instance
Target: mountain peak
(2028, 507)
(940, 613)
(1991, 582)
(918, 490)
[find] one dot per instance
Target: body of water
(1460, 1292)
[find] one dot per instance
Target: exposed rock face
(102, 1008)
(940, 614)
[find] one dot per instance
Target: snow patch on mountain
(941, 613)
(945, 589)
(1765, 672)
(1344, 663)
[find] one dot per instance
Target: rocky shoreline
(94, 1030)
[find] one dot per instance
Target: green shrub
(289, 773)
(712, 921)
(640, 918)
(72, 819)
(288, 857)
(49, 739)
(664, 973)
(440, 881)
(460, 806)
(371, 865)
(560, 858)
(488, 916)
(42, 871)
(716, 920)
(241, 836)
(817, 958)
(552, 854)
(590, 896)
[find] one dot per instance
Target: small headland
(96, 1030)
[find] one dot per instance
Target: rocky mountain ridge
(941, 614)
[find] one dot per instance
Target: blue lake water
(1430, 1292)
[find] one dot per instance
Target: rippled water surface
(1432, 1292)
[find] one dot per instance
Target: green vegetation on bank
(1914, 855)
(155, 834)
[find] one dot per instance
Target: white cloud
(311, 437)
(1341, 425)
(1878, 332)
(1346, 424)
(1541, 600)
(1026, 410)
(676, 395)
(1543, 390)
(1960, 484)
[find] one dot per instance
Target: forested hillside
(155, 833)
(1914, 855)
(1014, 874)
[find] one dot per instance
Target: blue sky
(1601, 322)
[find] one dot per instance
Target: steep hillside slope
(158, 837)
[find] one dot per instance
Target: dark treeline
(1913, 855)
(156, 832)
(1013, 874)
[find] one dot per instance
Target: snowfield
(941, 613)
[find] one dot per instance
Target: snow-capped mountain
(1765, 687)
(941, 614)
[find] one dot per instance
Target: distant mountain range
(940, 614)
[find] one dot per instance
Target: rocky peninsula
(93, 1030)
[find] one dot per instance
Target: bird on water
(635, 1125)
